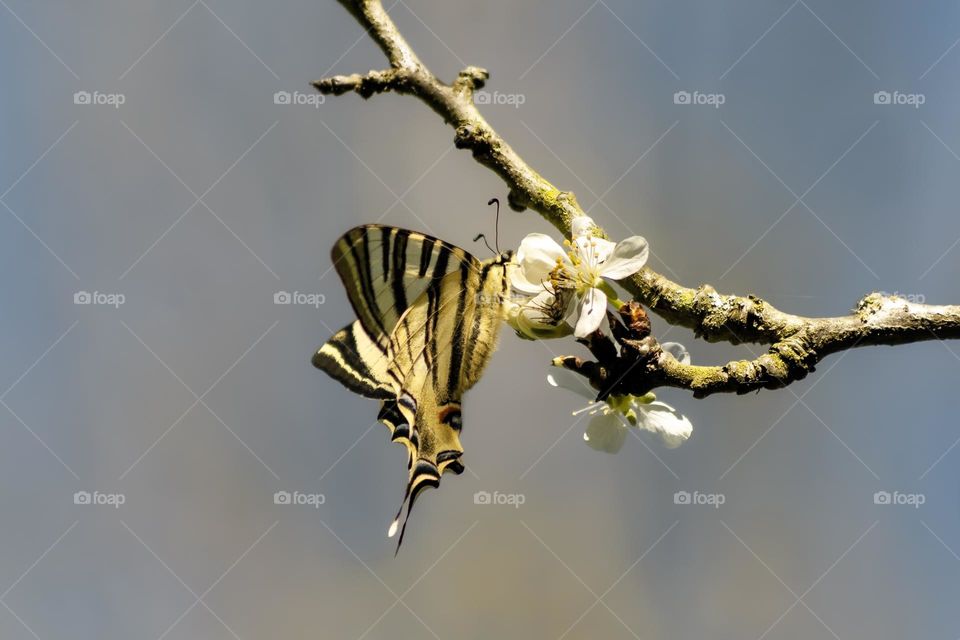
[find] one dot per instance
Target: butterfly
(428, 315)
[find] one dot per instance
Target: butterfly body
(428, 315)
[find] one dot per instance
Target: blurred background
(157, 197)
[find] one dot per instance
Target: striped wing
(443, 341)
(437, 352)
(385, 269)
(357, 361)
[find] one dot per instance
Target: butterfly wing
(385, 269)
(357, 360)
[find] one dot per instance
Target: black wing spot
(408, 401)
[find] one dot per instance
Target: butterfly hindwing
(357, 361)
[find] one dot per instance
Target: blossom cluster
(558, 290)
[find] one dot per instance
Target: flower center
(561, 277)
(585, 273)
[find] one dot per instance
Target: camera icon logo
(482, 497)
(481, 97)
(681, 497)
(81, 497)
(282, 97)
(81, 97)
(281, 497)
(881, 497)
(881, 97)
(282, 297)
(82, 297)
(681, 97)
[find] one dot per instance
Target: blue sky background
(199, 198)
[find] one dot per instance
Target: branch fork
(796, 343)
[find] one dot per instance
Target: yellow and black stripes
(428, 316)
(357, 361)
(493, 289)
(447, 337)
(385, 269)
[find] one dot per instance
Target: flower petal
(536, 257)
(629, 255)
(566, 379)
(536, 245)
(593, 309)
(605, 433)
(671, 425)
(678, 351)
(581, 226)
(593, 251)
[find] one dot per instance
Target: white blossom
(559, 282)
(607, 429)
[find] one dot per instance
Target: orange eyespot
(451, 415)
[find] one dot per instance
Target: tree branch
(640, 365)
(797, 342)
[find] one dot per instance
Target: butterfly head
(433, 445)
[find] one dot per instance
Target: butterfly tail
(423, 474)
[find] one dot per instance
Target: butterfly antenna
(496, 227)
(480, 235)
